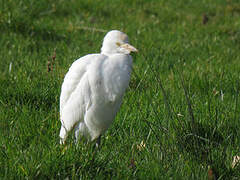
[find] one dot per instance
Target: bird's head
(116, 42)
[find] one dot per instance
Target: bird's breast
(109, 78)
(116, 80)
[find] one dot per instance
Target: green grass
(182, 103)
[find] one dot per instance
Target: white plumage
(93, 88)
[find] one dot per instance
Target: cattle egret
(93, 88)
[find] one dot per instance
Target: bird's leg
(77, 131)
(63, 135)
(98, 142)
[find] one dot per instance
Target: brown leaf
(236, 161)
(211, 175)
(204, 19)
(132, 164)
(141, 146)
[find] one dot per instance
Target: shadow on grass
(203, 143)
(27, 29)
(199, 141)
(36, 98)
(207, 148)
(33, 101)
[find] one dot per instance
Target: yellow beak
(128, 47)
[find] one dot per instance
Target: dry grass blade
(90, 29)
(236, 100)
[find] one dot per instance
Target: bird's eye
(118, 43)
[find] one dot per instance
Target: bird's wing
(76, 90)
(71, 80)
(76, 77)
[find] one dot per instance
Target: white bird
(93, 88)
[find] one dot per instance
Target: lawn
(180, 117)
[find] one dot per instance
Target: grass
(180, 117)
